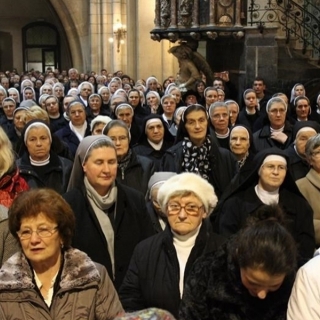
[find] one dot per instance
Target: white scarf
(267, 197)
(79, 131)
(156, 146)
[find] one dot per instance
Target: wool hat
(189, 182)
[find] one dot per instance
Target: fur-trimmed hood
(78, 270)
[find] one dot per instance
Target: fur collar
(78, 270)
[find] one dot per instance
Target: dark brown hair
(48, 202)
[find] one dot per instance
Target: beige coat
(309, 186)
(8, 244)
(85, 291)
(304, 303)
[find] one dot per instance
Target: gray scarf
(99, 204)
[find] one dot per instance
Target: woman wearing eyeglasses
(48, 279)
(309, 186)
(270, 182)
(160, 265)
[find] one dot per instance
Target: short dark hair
(266, 244)
(48, 202)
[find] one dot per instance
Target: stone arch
(71, 16)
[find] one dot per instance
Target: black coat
(298, 166)
(152, 279)
(214, 291)
(262, 138)
(56, 176)
(222, 171)
(132, 224)
(137, 173)
(248, 120)
(70, 139)
(299, 217)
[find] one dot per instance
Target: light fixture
(119, 32)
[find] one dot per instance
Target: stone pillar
(261, 58)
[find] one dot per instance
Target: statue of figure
(191, 64)
(165, 11)
(186, 7)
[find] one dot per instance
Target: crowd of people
(138, 199)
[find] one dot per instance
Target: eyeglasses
(272, 167)
(219, 116)
(41, 232)
(189, 208)
(276, 111)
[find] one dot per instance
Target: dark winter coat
(56, 176)
(214, 291)
(262, 138)
(82, 290)
(131, 225)
(298, 166)
(137, 173)
(244, 201)
(152, 279)
(70, 139)
(223, 166)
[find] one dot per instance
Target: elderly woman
(94, 107)
(6, 121)
(277, 131)
(11, 183)
(57, 120)
(153, 101)
(39, 165)
(250, 277)
(133, 170)
(160, 265)
(85, 89)
(196, 151)
(77, 128)
(154, 140)
(14, 93)
(112, 216)
(301, 132)
(301, 110)
(169, 105)
(125, 112)
(270, 182)
(48, 279)
(309, 185)
(105, 94)
(234, 110)
(219, 118)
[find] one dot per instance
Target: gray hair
(276, 100)
(216, 105)
(312, 143)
